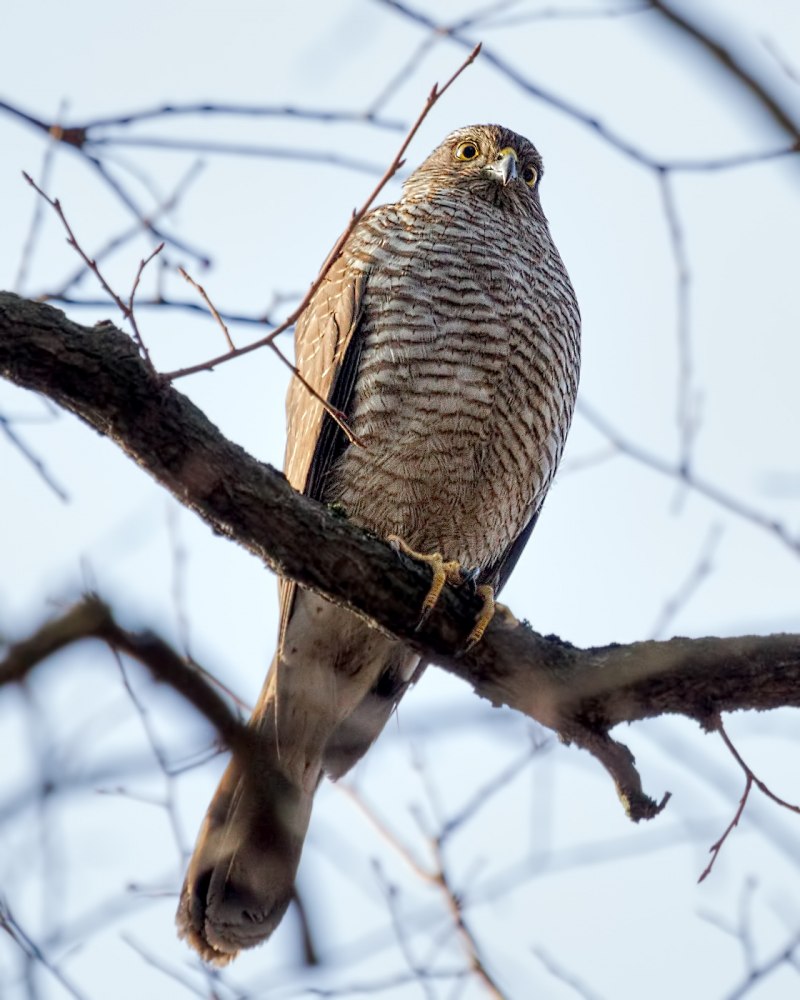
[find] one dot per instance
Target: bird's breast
(461, 400)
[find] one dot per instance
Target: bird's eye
(466, 151)
(530, 176)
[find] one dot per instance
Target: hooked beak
(505, 166)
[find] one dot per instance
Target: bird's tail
(327, 696)
(241, 875)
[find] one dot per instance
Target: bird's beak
(505, 166)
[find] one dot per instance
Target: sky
(565, 896)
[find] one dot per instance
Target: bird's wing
(501, 568)
(327, 355)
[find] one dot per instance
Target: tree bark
(98, 374)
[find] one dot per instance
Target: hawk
(448, 332)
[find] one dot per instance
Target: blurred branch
(164, 207)
(787, 955)
(697, 575)
(98, 375)
(685, 475)
(767, 99)
(607, 134)
(241, 111)
(88, 141)
(41, 469)
(11, 926)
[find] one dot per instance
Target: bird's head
(488, 160)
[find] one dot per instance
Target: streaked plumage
(448, 332)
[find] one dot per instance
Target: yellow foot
(486, 593)
(448, 572)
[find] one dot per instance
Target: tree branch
(98, 374)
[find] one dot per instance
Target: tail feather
(241, 876)
(323, 704)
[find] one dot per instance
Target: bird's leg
(449, 571)
(486, 593)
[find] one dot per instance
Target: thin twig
(699, 572)
(126, 235)
(126, 309)
(762, 787)
(33, 459)
(211, 307)
(455, 905)
(38, 214)
(750, 780)
(686, 410)
(131, 314)
(675, 472)
(207, 147)
(243, 110)
(564, 975)
(11, 926)
(168, 803)
(769, 101)
(589, 120)
(391, 170)
(387, 834)
(784, 955)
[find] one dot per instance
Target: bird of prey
(447, 331)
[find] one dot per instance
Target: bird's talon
(486, 593)
(449, 572)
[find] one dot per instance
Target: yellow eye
(467, 151)
(530, 176)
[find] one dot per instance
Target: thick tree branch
(97, 373)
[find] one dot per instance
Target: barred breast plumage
(448, 333)
(466, 380)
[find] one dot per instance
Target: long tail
(323, 704)
(241, 876)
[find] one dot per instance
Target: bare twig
(168, 802)
(784, 955)
(564, 975)
(676, 472)
(750, 780)
(590, 121)
(290, 112)
(131, 314)
(11, 926)
(164, 207)
(92, 619)
(568, 14)
(211, 307)
(698, 573)
(387, 834)
(33, 459)
(786, 67)
(417, 968)
(38, 215)
(686, 410)
(468, 939)
(391, 170)
(159, 301)
(145, 219)
(769, 101)
(490, 789)
(290, 154)
(126, 309)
